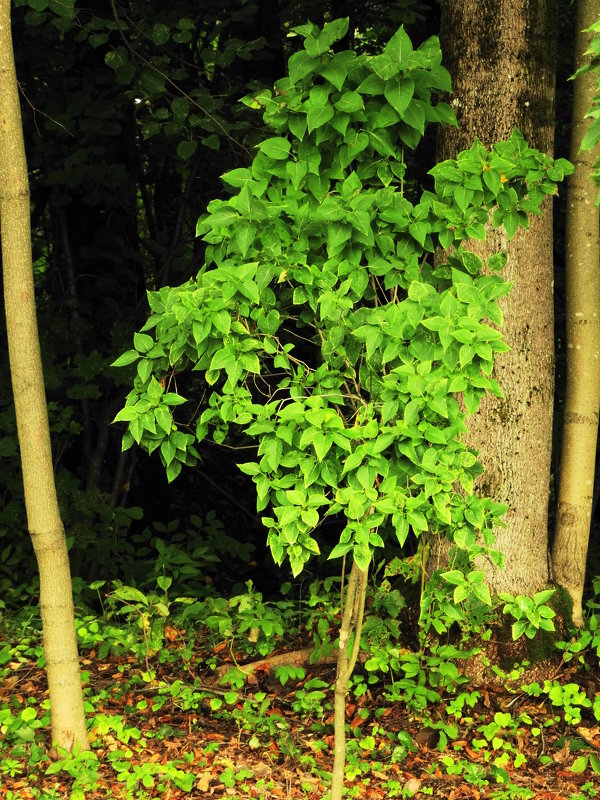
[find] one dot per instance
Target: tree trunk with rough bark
(43, 517)
(500, 54)
(582, 401)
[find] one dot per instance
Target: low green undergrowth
(162, 658)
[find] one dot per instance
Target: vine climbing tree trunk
(43, 516)
(582, 401)
(500, 54)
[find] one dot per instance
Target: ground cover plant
(173, 715)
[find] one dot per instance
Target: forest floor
(160, 728)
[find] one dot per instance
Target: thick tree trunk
(43, 517)
(500, 54)
(582, 401)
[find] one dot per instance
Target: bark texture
(501, 55)
(43, 517)
(582, 401)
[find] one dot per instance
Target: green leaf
(168, 451)
(336, 70)
(349, 102)
(337, 236)
(372, 85)
(592, 135)
(277, 147)
(385, 67)
(511, 220)
(186, 149)
(402, 528)
(244, 235)
(142, 342)
(318, 115)
(300, 65)
(340, 550)
(417, 520)
(173, 469)
(399, 47)
(454, 576)
(414, 115)
(237, 177)
(399, 92)
(580, 764)
(126, 358)
(126, 414)
(296, 171)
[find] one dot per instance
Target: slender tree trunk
(582, 401)
(352, 620)
(500, 54)
(43, 517)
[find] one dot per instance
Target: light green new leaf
(127, 358)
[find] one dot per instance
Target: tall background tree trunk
(43, 517)
(582, 400)
(501, 56)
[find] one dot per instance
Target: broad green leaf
(142, 342)
(414, 115)
(349, 102)
(277, 147)
(126, 414)
(340, 550)
(399, 92)
(318, 115)
(385, 66)
(580, 764)
(300, 65)
(126, 358)
(244, 235)
(399, 47)
(511, 221)
(296, 171)
(186, 149)
(417, 520)
(372, 85)
(237, 177)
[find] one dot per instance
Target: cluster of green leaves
(592, 135)
(320, 327)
